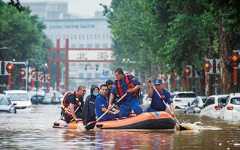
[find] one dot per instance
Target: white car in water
(213, 106)
(182, 99)
(19, 97)
(231, 112)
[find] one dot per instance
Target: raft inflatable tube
(63, 124)
(148, 120)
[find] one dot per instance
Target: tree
(22, 34)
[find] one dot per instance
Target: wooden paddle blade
(90, 125)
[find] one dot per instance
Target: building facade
(89, 43)
(90, 55)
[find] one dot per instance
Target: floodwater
(32, 129)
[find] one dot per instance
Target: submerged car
(231, 112)
(37, 99)
(213, 105)
(53, 97)
(19, 97)
(182, 99)
(195, 106)
(6, 105)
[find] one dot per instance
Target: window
(222, 100)
(89, 45)
(186, 95)
(81, 45)
(4, 101)
(89, 75)
(105, 45)
(97, 46)
(209, 101)
(81, 75)
(73, 45)
(97, 75)
(235, 101)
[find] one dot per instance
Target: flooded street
(32, 129)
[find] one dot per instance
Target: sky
(79, 7)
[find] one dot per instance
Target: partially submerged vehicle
(213, 105)
(6, 105)
(20, 97)
(231, 112)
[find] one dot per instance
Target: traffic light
(188, 71)
(9, 67)
(207, 66)
(235, 58)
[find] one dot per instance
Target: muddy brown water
(32, 129)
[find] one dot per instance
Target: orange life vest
(128, 80)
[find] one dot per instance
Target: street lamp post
(45, 69)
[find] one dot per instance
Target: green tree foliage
(23, 35)
(161, 35)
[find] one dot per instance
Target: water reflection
(32, 129)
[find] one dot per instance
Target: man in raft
(126, 84)
(89, 105)
(101, 105)
(157, 103)
(72, 105)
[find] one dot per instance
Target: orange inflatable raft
(148, 120)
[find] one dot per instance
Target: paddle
(91, 125)
(181, 127)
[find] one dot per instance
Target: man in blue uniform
(101, 105)
(126, 84)
(157, 103)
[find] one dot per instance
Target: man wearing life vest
(72, 105)
(126, 84)
(158, 94)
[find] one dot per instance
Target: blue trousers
(128, 105)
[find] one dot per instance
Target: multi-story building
(49, 10)
(89, 54)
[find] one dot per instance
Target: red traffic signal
(234, 57)
(9, 67)
(207, 66)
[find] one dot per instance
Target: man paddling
(72, 105)
(101, 105)
(157, 103)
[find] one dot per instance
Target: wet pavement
(32, 129)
